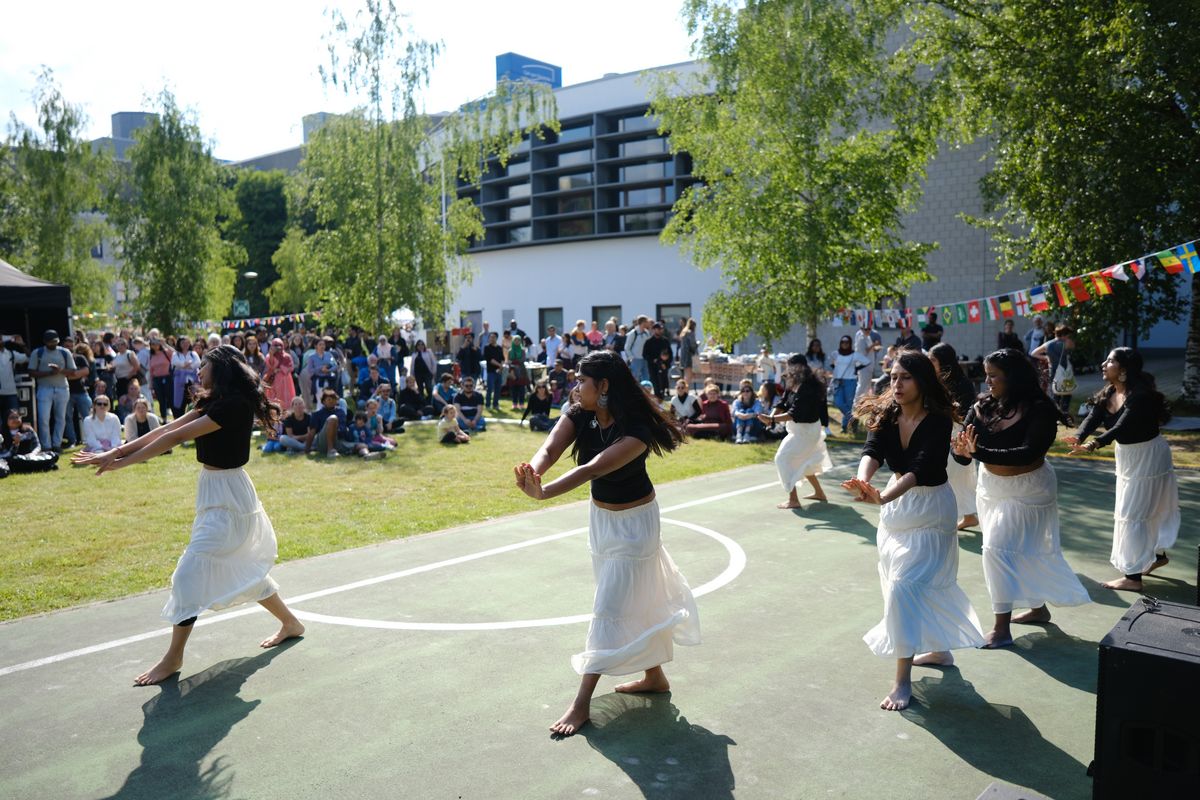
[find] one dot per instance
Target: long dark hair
(1022, 388)
(882, 410)
(800, 376)
(1136, 380)
(233, 377)
(628, 404)
(959, 385)
(820, 349)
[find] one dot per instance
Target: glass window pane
(644, 147)
(648, 197)
(573, 227)
(650, 221)
(603, 314)
(519, 235)
(518, 168)
(642, 123)
(568, 205)
(518, 190)
(575, 134)
(546, 318)
(575, 157)
(575, 180)
(518, 213)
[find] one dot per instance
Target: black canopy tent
(29, 305)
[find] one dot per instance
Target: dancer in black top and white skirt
(1009, 431)
(643, 605)
(802, 454)
(963, 477)
(232, 548)
(1146, 517)
(925, 613)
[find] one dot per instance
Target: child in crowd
(360, 435)
(448, 429)
(273, 429)
(377, 426)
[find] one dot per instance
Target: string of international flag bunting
(1034, 300)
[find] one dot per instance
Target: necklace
(611, 430)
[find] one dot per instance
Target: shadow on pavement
(998, 740)
(183, 723)
(660, 751)
(1068, 659)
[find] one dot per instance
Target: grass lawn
(70, 537)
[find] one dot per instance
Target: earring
(1121, 377)
(603, 401)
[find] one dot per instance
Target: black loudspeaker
(1148, 704)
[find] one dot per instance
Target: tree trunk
(1191, 359)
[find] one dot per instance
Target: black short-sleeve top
(228, 447)
(625, 484)
(807, 403)
(927, 452)
(1023, 442)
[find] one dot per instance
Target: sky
(248, 69)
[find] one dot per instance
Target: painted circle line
(737, 563)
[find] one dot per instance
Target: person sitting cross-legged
(470, 407)
(716, 421)
(297, 436)
(329, 422)
(443, 393)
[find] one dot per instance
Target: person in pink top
(277, 379)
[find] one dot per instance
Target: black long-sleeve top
(1023, 442)
(806, 404)
(537, 405)
(1135, 421)
(926, 454)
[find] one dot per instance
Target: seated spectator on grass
(329, 421)
(133, 393)
(322, 366)
(448, 429)
(368, 387)
(378, 427)
(141, 421)
(385, 407)
(770, 397)
(362, 371)
(101, 430)
(384, 352)
(18, 438)
(685, 406)
(571, 384)
(538, 408)
(470, 407)
(274, 430)
(409, 403)
(297, 435)
(360, 438)
(443, 393)
(558, 378)
(648, 388)
(746, 409)
(716, 421)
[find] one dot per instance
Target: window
(573, 227)
(644, 147)
(648, 172)
(518, 213)
(639, 123)
(574, 180)
(519, 235)
(518, 168)
(650, 221)
(570, 205)
(648, 197)
(517, 190)
(673, 315)
(575, 157)
(603, 313)
(98, 250)
(575, 134)
(546, 318)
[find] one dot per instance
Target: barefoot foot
(819, 497)
(940, 659)
(571, 721)
(289, 630)
(655, 684)
(1034, 616)
(159, 672)
(1124, 585)
(995, 640)
(787, 504)
(969, 521)
(1161, 561)
(898, 699)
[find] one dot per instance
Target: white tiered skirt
(231, 551)
(643, 604)
(1023, 562)
(801, 453)
(963, 480)
(1146, 517)
(924, 610)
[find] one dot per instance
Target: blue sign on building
(516, 67)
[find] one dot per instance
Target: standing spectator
(494, 358)
(931, 334)
(865, 346)
(657, 354)
(688, 348)
(297, 435)
(352, 346)
(551, 345)
(185, 365)
(746, 410)
(846, 366)
(125, 366)
(470, 407)
(468, 358)
(102, 359)
(383, 354)
(635, 344)
(277, 377)
(400, 353)
(816, 359)
(1062, 375)
(595, 339)
(514, 330)
(254, 356)
(1035, 336)
(618, 342)
(765, 365)
(52, 365)
(322, 367)
(101, 430)
(159, 368)
(578, 342)
(11, 354)
(518, 371)
(907, 340)
(424, 367)
(142, 351)
(485, 331)
(1007, 338)
(533, 351)
(80, 403)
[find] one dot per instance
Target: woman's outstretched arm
(624, 450)
(161, 444)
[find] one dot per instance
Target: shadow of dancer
(1068, 659)
(185, 721)
(660, 751)
(998, 740)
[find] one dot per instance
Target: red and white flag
(973, 312)
(1021, 302)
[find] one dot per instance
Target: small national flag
(1187, 254)
(960, 313)
(922, 316)
(1137, 267)
(1079, 290)
(1006, 306)
(948, 315)
(1062, 294)
(1170, 262)
(1038, 297)
(1116, 271)
(860, 317)
(1101, 284)
(993, 308)
(973, 313)
(1021, 301)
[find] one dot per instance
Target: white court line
(222, 617)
